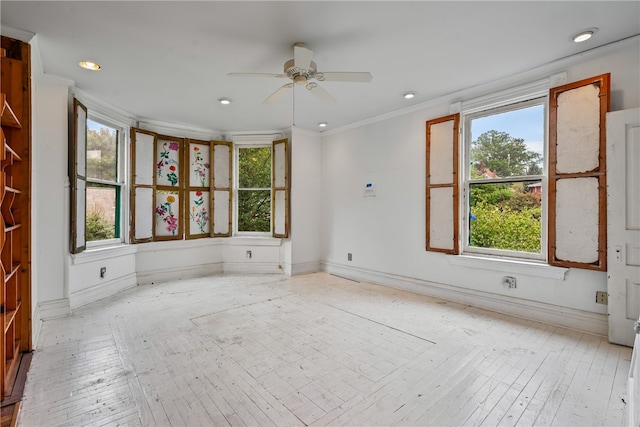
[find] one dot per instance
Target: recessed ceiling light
(409, 95)
(224, 101)
(90, 65)
(322, 124)
(584, 35)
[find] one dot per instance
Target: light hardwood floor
(314, 350)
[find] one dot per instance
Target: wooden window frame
(275, 189)
(603, 82)
(79, 130)
(134, 186)
(553, 176)
(179, 189)
(454, 184)
(225, 185)
(222, 186)
(188, 188)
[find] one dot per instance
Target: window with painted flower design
(182, 188)
(169, 171)
(156, 186)
(198, 218)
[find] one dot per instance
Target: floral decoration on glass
(164, 214)
(168, 163)
(199, 212)
(200, 166)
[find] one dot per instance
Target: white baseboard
(303, 268)
(54, 309)
(189, 272)
(252, 268)
(103, 290)
(47, 310)
(36, 326)
(580, 320)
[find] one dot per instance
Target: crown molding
(16, 33)
(307, 132)
(103, 110)
(178, 129)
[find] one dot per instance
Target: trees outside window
(505, 195)
(103, 188)
(505, 179)
(254, 189)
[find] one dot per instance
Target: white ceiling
(169, 61)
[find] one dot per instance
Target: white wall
(386, 233)
(84, 281)
(49, 196)
(306, 202)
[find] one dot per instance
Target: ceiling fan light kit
(301, 69)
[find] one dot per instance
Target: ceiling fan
(301, 70)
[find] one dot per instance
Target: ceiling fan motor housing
(300, 75)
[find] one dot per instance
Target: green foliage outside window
(98, 228)
(102, 154)
(254, 190)
(102, 165)
(505, 215)
(504, 155)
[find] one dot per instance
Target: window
(506, 207)
(253, 189)
(103, 182)
(96, 175)
(186, 188)
(505, 180)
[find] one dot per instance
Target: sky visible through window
(525, 123)
(91, 125)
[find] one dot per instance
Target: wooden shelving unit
(15, 254)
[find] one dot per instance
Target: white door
(623, 224)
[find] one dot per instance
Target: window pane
(102, 212)
(508, 144)
(254, 210)
(102, 153)
(167, 213)
(506, 216)
(254, 168)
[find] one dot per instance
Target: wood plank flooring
(263, 350)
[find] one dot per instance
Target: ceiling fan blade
(256, 75)
(321, 94)
(302, 57)
(363, 77)
(277, 94)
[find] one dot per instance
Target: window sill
(98, 253)
(210, 241)
(513, 266)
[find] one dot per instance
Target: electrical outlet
(349, 257)
(602, 298)
(509, 281)
(249, 254)
(103, 272)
